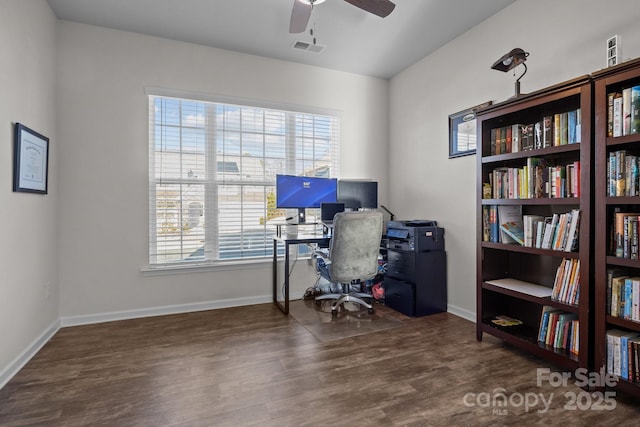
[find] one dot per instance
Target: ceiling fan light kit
(301, 11)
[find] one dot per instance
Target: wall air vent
(314, 48)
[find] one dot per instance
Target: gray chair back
(355, 245)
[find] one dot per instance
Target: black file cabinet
(416, 282)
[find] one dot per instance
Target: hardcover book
(514, 231)
(527, 141)
(547, 131)
(635, 110)
(537, 135)
(511, 225)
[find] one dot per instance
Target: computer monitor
(358, 194)
(329, 210)
(302, 192)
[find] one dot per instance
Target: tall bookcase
(503, 267)
(613, 199)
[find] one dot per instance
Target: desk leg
(285, 307)
(275, 271)
(286, 278)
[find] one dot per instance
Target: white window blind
(212, 170)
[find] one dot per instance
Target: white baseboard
(18, 363)
(162, 311)
(461, 312)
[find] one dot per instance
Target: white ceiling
(355, 41)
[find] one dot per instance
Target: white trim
(162, 311)
(461, 312)
(225, 99)
(168, 270)
(18, 363)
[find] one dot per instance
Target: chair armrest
(322, 253)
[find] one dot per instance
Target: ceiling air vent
(315, 48)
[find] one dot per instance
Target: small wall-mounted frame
(462, 131)
(30, 161)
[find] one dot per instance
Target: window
(212, 169)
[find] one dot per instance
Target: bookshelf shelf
(622, 140)
(537, 266)
(622, 200)
(526, 341)
(623, 262)
(529, 250)
(542, 152)
(543, 201)
(515, 292)
(608, 82)
(623, 323)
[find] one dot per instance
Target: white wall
(28, 226)
(103, 128)
(566, 39)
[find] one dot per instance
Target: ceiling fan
(302, 11)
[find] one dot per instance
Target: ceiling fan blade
(300, 15)
(382, 8)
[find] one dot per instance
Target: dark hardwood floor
(254, 366)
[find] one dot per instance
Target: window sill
(150, 271)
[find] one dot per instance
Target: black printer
(417, 235)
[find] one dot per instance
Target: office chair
(352, 257)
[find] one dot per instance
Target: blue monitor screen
(304, 191)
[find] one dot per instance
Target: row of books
(624, 235)
(566, 286)
(536, 179)
(623, 295)
(623, 354)
(506, 224)
(623, 116)
(559, 329)
(558, 129)
(623, 172)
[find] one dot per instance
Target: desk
(289, 240)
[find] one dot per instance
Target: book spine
(635, 110)
(626, 111)
(537, 135)
(493, 142)
(516, 138)
(571, 127)
(547, 131)
(564, 129)
(556, 130)
(617, 115)
(610, 97)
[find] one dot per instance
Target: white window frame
(212, 186)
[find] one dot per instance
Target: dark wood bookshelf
(530, 264)
(607, 81)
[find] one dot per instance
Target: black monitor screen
(358, 194)
(304, 191)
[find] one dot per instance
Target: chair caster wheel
(370, 310)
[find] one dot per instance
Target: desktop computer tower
(416, 282)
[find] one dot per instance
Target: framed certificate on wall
(462, 131)
(30, 161)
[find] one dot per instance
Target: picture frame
(462, 131)
(30, 161)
